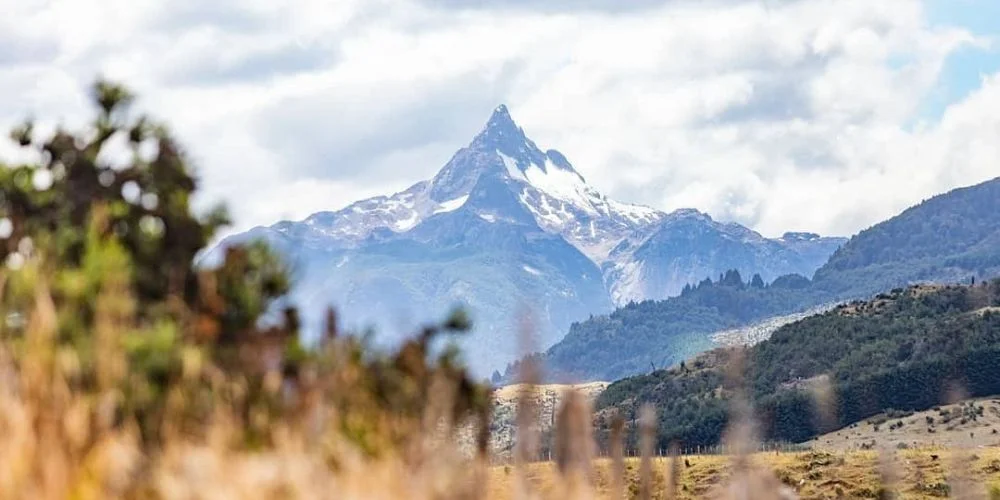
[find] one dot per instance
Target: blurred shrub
(99, 227)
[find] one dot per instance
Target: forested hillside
(905, 350)
(650, 334)
(948, 239)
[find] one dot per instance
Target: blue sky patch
(964, 69)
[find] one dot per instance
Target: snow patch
(451, 205)
(511, 165)
(563, 184)
(407, 223)
(531, 270)
(627, 284)
(488, 217)
(635, 213)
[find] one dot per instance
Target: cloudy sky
(822, 115)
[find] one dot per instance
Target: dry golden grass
(924, 429)
(810, 474)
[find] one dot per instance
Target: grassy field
(923, 473)
(970, 423)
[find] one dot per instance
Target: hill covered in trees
(946, 239)
(655, 334)
(904, 350)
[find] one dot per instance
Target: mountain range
(517, 236)
(952, 237)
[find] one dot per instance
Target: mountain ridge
(949, 238)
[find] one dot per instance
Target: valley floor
(915, 473)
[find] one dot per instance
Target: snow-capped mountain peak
(503, 146)
(501, 132)
(557, 196)
(544, 183)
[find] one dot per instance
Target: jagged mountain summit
(505, 227)
(544, 183)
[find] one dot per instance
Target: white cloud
(791, 115)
